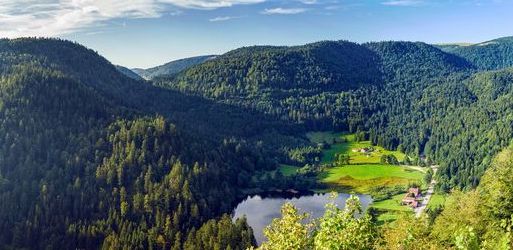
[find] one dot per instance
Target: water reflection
(261, 209)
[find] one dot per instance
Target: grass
(436, 200)
(345, 143)
(288, 170)
(393, 204)
(366, 172)
(389, 217)
(362, 178)
(372, 171)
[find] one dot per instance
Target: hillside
(410, 96)
(490, 55)
(87, 162)
(416, 59)
(291, 83)
(129, 73)
(173, 67)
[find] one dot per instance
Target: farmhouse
(412, 197)
(363, 150)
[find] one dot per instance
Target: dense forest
(490, 55)
(91, 158)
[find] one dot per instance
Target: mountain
(286, 82)
(129, 73)
(489, 55)
(315, 84)
(409, 96)
(173, 67)
(90, 158)
(417, 59)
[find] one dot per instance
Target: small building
(412, 197)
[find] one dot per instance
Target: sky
(147, 33)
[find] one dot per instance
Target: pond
(260, 210)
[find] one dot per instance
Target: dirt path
(427, 196)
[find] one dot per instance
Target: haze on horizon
(146, 33)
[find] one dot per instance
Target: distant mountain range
(128, 72)
(170, 68)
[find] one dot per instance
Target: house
(412, 197)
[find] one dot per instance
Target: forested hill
(324, 85)
(415, 59)
(172, 67)
(304, 84)
(90, 158)
(326, 65)
(128, 72)
(490, 55)
(409, 96)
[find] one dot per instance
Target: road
(425, 201)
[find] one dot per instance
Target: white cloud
(283, 11)
(20, 18)
(403, 2)
(222, 18)
(309, 1)
(208, 4)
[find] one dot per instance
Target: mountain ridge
(172, 67)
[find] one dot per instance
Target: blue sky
(145, 33)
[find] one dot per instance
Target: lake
(261, 210)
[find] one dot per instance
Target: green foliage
(338, 229)
(221, 234)
(304, 84)
(389, 159)
(345, 228)
(343, 159)
(466, 239)
(401, 95)
(288, 232)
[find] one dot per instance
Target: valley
(92, 156)
(364, 172)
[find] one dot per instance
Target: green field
(393, 204)
(362, 178)
(365, 171)
(436, 200)
(345, 145)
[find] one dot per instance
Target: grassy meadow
(345, 143)
(365, 171)
(362, 178)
